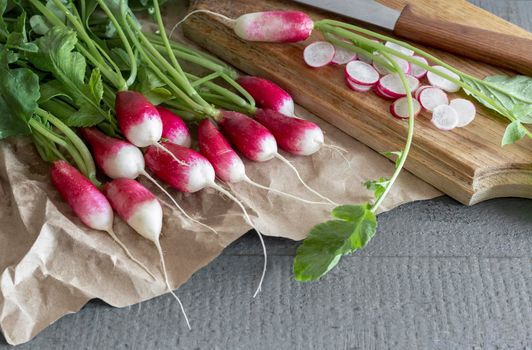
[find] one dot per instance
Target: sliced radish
(417, 71)
(445, 117)
(465, 109)
(319, 54)
(378, 91)
(357, 87)
(343, 56)
(399, 48)
(442, 83)
(404, 64)
(392, 85)
(419, 89)
(399, 108)
(432, 97)
(361, 73)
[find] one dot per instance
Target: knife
(482, 45)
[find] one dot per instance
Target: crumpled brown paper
(52, 265)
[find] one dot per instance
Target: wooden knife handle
(482, 45)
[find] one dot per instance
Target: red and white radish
(357, 87)
(361, 73)
(399, 48)
(87, 202)
(268, 94)
(120, 159)
(399, 109)
(274, 26)
(139, 208)
(391, 85)
(442, 83)
(465, 109)
(419, 89)
(416, 70)
(445, 117)
(432, 97)
(382, 94)
(199, 174)
(174, 128)
(319, 54)
(383, 70)
(343, 56)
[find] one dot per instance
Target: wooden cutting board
(468, 164)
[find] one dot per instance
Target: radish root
(341, 151)
(248, 219)
(163, 265)
(231, 20)
(291, 166)
(176, 204)
(112, 233)
(161, 147)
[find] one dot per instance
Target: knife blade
(368, 11)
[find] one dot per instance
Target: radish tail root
(164, 149)
(231, 20)
(248, 219)
(128, 253)
(176, 204)
(291, 166)
(163, 265)
(341, 151)
(253, 183)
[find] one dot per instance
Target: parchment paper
(52, 265)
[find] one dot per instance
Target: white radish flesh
(399, 109)
(445, 118)
(343, 56)
(432, 97)
(383, 70)
(319, 54)
(416, 70)
(392, 85)
(442, 83)
(419, 89)
(357, 87)
(361, 73)
(465, 109)
(401, 49)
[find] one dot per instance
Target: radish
(357, 87)
(198, 175)
(465, 109)
(343, 56)
(87, 202)
(445, 117)
(139, 208)
(391, 85)
(268, 94)
(432, 97)
(382, 94)
(361, 73)
(401, 49)
(174, 128)
(319, 54)
(442, 83)
(383, 70)
(419, 89)
(399, 109)
(416, 70)
(227, 165)
(367, 57)
(120, 159)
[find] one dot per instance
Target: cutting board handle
(482, 45)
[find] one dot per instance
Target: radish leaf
(352, 228)
(514, 132)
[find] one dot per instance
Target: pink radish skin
(295, 136)
(419, 89)
(465, 109)
(117, 158)
(361, 73)
(138, 119)
(391, 85)
(357, 87)
(399, 109)
(174, 128)
(319, 54)
(274, 26)
(268, 94)
(137, 206)
(432, 97)
(87, 202)
(379, 92)
(250, 137)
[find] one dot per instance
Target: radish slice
(442, 83)
(399, 108)
(378, 91)
(343, 56)
(392, 85)
(399, 48)
(404, 64)
(361, 73)
(419, 89)
(417, 71)
(319, 54)
(445, 117)
(432, 97)
(465, 109)
(357, 87)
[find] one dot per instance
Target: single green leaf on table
(351, 229)
(514, 132)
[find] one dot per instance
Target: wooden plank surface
(438, 276)
(467, 163)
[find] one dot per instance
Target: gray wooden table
(437, 276)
